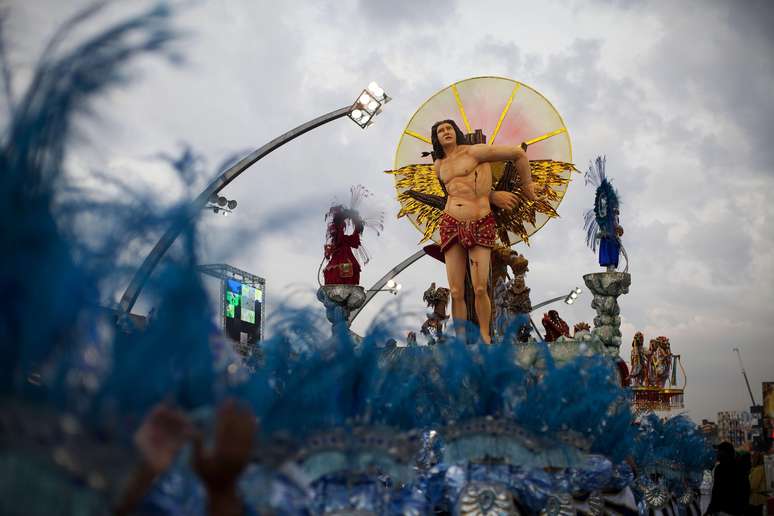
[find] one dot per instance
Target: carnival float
(496, 419)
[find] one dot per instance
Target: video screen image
(242, 311)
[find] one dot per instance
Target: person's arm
(137, 486)
(220, 468)
(158, 441)
(484, 153)
(489, 153)
(225, 503)
(757, 481)
(525, 175)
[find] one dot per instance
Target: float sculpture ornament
(345, 226)
(654, 375)
(601, 222)
(604, 231)
(341, 292)
(555, 326)
(580, 327)
(511, 294)
(438, 300)
(639, 362)
(469, 194)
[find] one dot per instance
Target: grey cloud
(720, 59)
(407, 11)
(497, 51)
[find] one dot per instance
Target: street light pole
(544, 303)
(377, 287)
(367, 106)
(219, 183)
(569, 299)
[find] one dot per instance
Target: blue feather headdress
(601, 218)
(674, 450)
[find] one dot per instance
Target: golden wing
(419, 178)
(550, 179)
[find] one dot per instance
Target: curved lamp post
(568, 299)
(368, 104)
(379, 285)
(392, 287)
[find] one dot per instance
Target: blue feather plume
(602, 216)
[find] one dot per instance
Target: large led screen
(242, 311)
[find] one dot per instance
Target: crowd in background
(739, 485)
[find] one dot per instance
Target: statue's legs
(480, 260)
(456, 267)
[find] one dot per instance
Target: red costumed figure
(555, 326)
(345, 226)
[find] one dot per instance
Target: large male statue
(467, 225)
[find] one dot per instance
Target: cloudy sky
(676, 94)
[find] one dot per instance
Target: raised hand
(235, 429)
(160, 437)
(158, 440)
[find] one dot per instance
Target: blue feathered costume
(601, 222)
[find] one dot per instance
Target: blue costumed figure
(601, 222)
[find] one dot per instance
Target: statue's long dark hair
(437, 149)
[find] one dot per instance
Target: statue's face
(446, 134)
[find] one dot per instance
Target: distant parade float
(654, 376)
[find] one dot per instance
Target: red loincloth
(469, 233)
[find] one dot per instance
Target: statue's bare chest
(456, 167)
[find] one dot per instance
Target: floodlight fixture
(221, 205)
(368, 104)
(375, 90)
(391, 286)
(572, 296)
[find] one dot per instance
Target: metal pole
(219, 183)
(544, 303)
(534, 326)
(371, 292)
(744, 373)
